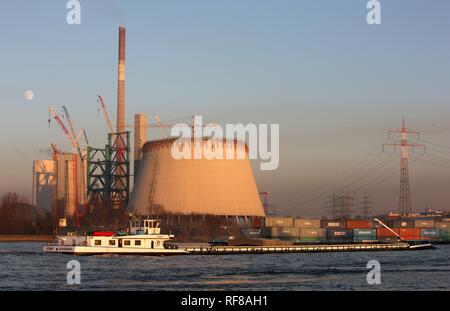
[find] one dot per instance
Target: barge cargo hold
(223, 250)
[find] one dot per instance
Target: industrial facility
(75, 183)
(195, 198)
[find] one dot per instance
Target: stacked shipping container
(359, 231)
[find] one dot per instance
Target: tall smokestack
(121, 82)
(121, 169)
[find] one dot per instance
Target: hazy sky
(334, 83)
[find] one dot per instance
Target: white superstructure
(144, 238)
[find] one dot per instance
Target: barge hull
(225, 250)
(91, 251)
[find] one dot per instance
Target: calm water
(24, 267)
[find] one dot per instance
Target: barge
(144, 238)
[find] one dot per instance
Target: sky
(334, 83)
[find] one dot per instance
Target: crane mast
(105, 113)
(64, 129)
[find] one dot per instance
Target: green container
(444, 233)
(366, 239)
(312, 240)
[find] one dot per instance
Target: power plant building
(43, 183)
(189, 186)
(61, 182)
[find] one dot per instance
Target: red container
(256, 222)
(359, 224)
(103, 233)
(409, 232)
(383, 232)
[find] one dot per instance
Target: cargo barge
(322, 231)
(224, 250)
(144, 238)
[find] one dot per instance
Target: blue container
(429, 233)
(364, 233)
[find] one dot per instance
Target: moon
(29, 95)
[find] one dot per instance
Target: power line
(367, 168)
(347, 171)
(434, 144)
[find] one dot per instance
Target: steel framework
(404, 204)
(108, 172)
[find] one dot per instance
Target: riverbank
(26, 238)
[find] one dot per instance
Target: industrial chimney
(121, 169)
(121, 82)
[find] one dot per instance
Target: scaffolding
(108, 172)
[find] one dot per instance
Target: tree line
(17, 216)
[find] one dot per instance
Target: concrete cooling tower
(220, 187)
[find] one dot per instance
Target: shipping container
(277, 232)
(256, 222)
(408, 231)
(442, 224)
(306, 223)
(312, 240)
(359, 224)
(333, 224)
(383, 232)
(401, 224)
(429, 233)
(339, 234)
(409, 234)
(313, 232)
(279, 222)
(364, 233)
(366, 239)
(411, 238)
(444, 233)
(387, 239)
(340, 240)
(424, 224)
(250, 232)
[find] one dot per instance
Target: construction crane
(63, 128)
(69, 120)
(73, 132)
(105, 113)
(74, 140)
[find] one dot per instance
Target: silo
(196, 186)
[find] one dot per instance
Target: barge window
(137, 242)
(98, 242)
(126, 242)
(112, 242)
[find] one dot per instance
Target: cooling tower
(222, 187)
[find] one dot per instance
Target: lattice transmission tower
(404, 204)
(366, 206)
